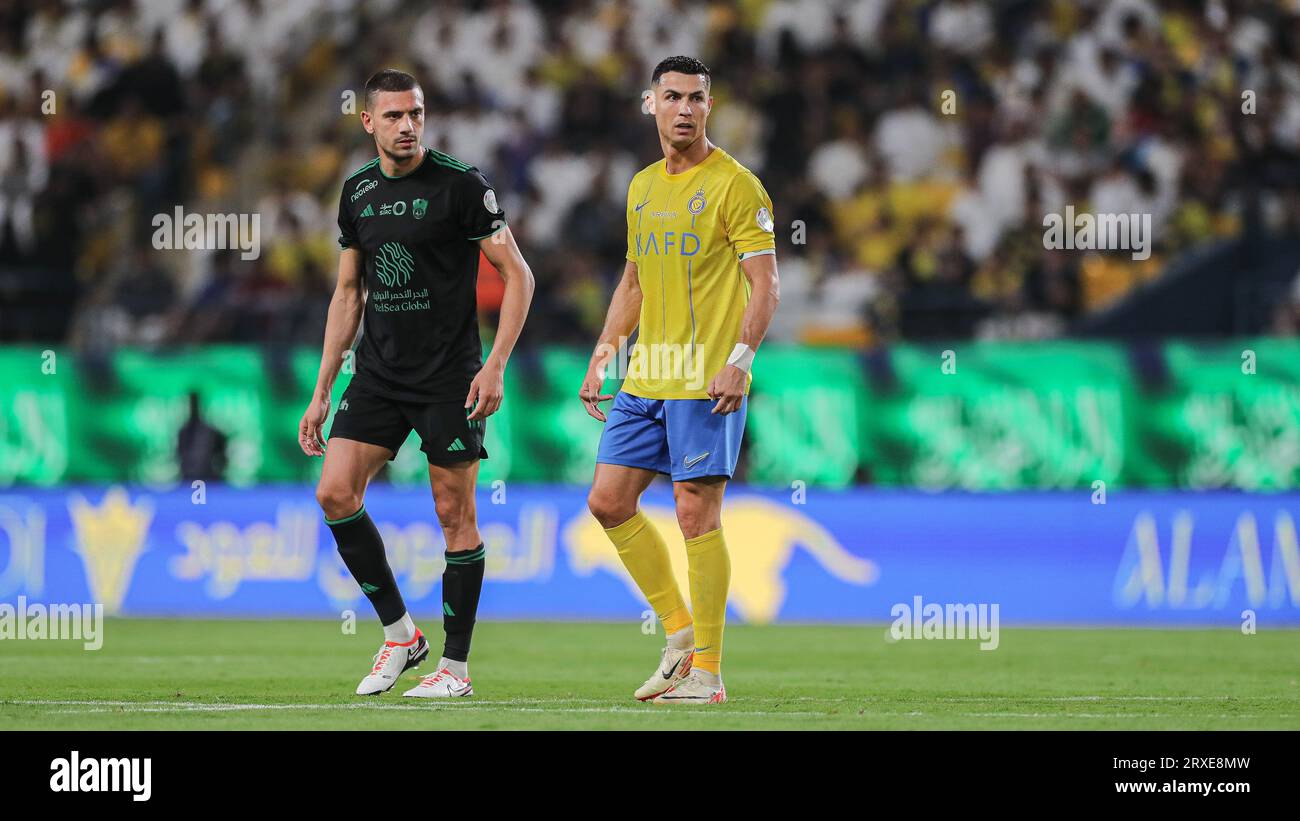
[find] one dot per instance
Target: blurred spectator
(200, 447)
(24, 171)
(899, 215)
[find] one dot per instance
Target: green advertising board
(975, 416)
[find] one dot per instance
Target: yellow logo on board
(110, 538)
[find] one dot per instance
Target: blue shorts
(679, 437)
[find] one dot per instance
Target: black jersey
(419, 236)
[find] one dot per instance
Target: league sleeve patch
(764, 219)
(490, 201)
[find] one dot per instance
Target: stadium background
(1118, 443)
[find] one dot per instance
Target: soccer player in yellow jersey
(700, 284)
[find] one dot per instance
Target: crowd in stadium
(908, 206)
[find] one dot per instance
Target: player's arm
(620, 321)
(341, 325)
(728, 387)
(488, 387)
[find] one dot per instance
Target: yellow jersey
(687, 234)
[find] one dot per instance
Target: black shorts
(446, 433)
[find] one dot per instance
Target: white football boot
(442, 684)
(391, 661)
(674, 665)
(699, 687)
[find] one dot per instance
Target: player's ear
(648, 101)
(366, 122)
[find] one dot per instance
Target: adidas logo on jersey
(457, 445)
(368, 212)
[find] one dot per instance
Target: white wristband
(742, 356)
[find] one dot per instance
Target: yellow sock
(710, 575)
(645, 555)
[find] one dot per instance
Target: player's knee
(695, 515)
(336, 502)
(608, 508)
(453, 512)
(693, 523)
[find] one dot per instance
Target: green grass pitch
(189, 674)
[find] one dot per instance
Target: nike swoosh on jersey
(690, 463)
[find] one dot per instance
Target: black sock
(363, 552)
(462, 581)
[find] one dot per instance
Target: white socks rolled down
(683, 639)
(459, 669)
(401, 631)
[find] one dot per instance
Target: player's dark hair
(389, 79)
(682, 65)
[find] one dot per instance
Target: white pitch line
(977, 699)
(469, 708)
(1113, 715)
(544, 706)
(195, 706)
(635, 711)
(1096, 698)
(580, 700)
(356, 705)
(942, 715)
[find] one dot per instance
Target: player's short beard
(699, 133)
(671, 136)
(394, 151)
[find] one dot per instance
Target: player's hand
(486, 391)
(313, 419)
(591, 396)
(728, 387)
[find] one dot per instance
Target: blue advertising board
(1149, 558)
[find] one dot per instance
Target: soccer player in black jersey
(412, 223)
